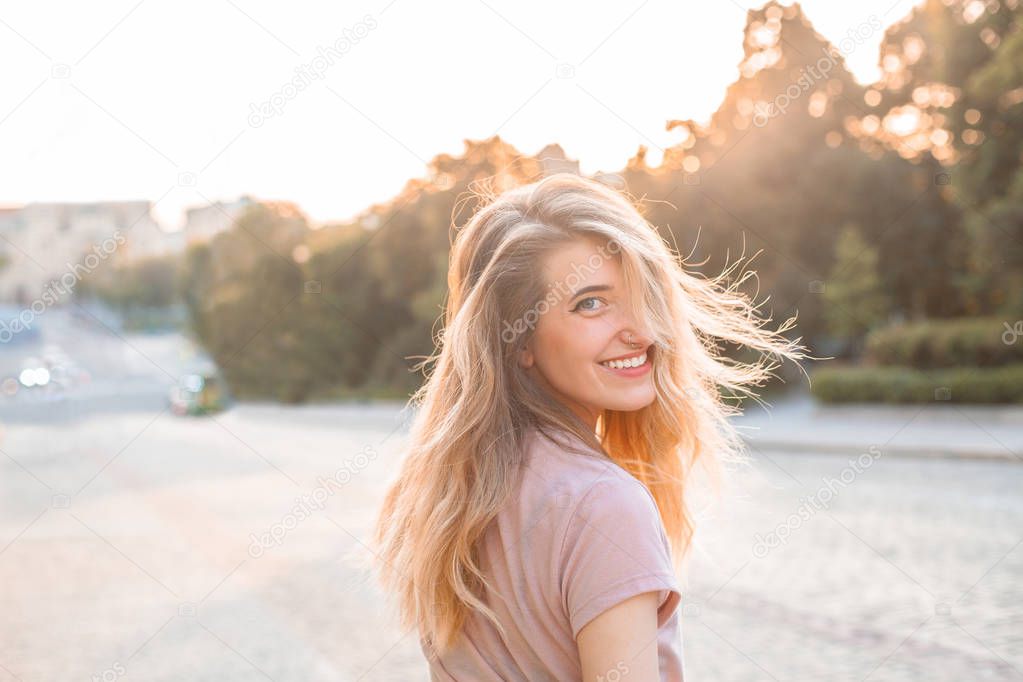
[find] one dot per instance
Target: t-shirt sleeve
(615, 547)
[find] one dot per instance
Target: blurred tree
(854, 296)
(147, 282)
(953, 83)
(797, 150)
(242, 291)
(196, 289)
(777, 169)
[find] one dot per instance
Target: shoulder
(615, 508)
(607, 539)
(585, 477)
(614, 547)
(595, 497)
(564, 458)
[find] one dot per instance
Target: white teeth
(622, 364)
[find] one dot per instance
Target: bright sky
(154, 100)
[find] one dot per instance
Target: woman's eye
(580, 305)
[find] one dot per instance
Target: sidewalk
(799, 424)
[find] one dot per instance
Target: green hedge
(933, 344)
(842, 384)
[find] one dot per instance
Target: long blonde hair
(466, 440)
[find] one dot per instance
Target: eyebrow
(592, 287)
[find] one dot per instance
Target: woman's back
(578, 536)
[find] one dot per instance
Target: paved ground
(127, 552)
(938, 429)
(909, 571)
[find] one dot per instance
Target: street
(139, 545)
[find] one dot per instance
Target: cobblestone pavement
(127, 553)
(905, 570)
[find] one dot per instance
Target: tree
(954, 82)
(854, 296)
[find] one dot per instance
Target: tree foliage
(797, 151)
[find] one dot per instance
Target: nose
(629, 325)
(634, 339)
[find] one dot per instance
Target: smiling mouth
(637, 359)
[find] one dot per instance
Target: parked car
(202, 392)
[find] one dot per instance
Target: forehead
(581, 262)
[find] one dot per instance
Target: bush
(933, 344)
(904, 385)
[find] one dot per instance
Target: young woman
(535, 527)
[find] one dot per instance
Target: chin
(630, 403)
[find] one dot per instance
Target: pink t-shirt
(581, 536)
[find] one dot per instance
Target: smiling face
(587, 325)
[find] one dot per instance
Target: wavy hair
(466, 439)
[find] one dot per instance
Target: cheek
(572, 351)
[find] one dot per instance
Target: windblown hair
(467, 437)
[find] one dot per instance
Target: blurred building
(553, 160)
(43, 242)
(204, 222)
(616, 180)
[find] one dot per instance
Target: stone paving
(128, 553)
(910, 571)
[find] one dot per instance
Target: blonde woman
(539, 519)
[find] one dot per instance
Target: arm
(621, 643)
(618, 582)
